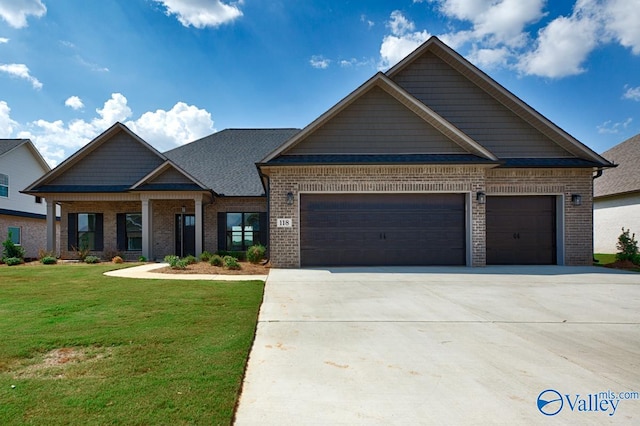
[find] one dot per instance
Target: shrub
(240, 255)
(190, 260)
(82, 252)
(48, 260)
(117, 259)
(142, 259)
(92, 259)
(171, 260)
(12, 261)
(110, 253)
(44, 253)
(256, 253)
(231, 262)
(627, 247)
(11, 250)
(205, 256)
(180, 264)
(216, 260)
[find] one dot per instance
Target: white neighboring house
(22, 215)
(617, 196)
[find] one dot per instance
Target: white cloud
(202, 13)
(74, 102)
(364, 19)
(402, 40)
(21, 71)
(6, 123)
(621, 20)
(164, 130)
(609, 127)
(632, 93)
(319, 61)
(15, 12)
(4, 40)
(489, 58)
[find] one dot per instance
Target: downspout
(596, 176)
(266, 183)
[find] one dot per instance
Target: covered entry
(382, 229)
(521, 230)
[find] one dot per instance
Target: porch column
(198, 212)
(52, 245)
(147, 240)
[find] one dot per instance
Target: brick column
(198, 213)
(51, 227)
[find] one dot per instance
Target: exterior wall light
(481, 198)
(290, 198)
(576, 199)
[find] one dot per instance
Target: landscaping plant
(627, 247)
(256, 253)
(10, 250)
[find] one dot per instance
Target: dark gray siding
(376, 123)
(119, 161)
(171, 176)
(472, 110)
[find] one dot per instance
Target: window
(4, 185)
(243, 230)
(15, 234)
(87, 230)
(133, 231)
(38, 200)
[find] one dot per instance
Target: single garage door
(521, 230)
(382, 229)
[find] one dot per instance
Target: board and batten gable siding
(22, 168)
(478, 114)
(119, 161)
(376, 123)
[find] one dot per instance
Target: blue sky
(177, 70)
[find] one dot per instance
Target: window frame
(127, 238)
(10, 232)
(256, 235)
(91, 244)
(4, 185)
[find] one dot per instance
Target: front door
(185, 235)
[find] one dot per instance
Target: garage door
(382, 229)
(521, 230)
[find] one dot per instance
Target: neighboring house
(22, 216)
(617, 196)
(430, 163)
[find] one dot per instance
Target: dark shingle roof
(624, 178)
(7, 145)
(380, 159)
(225, 161)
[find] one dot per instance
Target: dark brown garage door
(521, 230)
(382, 229)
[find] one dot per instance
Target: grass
(604, 258)
(82, 348)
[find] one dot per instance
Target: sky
(174, 71)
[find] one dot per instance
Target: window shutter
(264, 229)
(121, 231)
(222, 231)
(72, 229)
(99, 232)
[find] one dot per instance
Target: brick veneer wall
(578, 220)
(284, 242)
(33, 233)
(228, 205)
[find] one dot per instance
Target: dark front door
(521, 230)
(382, 229)
(185, 234)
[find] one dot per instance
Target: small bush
(627, 247)
(180, 264)
(44, 253)
(142, 259)
(256, 253)
(205, 256)
(110, 254)
(171, 260)
(117, 259)
(12, 261)
(216, 260)
(48, 260)
(231, 262)
(11, 250)
(240, 255)
(82, 252)
(190, 260)
(92, 259)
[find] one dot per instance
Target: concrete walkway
(412, 346)
(146, 272)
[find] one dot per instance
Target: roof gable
(380, 118)
(626, 177)
(9, 145)
(482, 108)
(113, 161)
(168, 177)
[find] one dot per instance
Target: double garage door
(421, 229)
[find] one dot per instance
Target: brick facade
(33, 233)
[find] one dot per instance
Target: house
(429, 163)
(22, 216)
(617, 196)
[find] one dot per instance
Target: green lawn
(603, 258)
(82, 348)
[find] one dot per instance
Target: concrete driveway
(413, 346)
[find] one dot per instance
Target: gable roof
(225, 161)
(502, 95)
(168, 177)
(8, 145)
(411, 103)
(626, 177)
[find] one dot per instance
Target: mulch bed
(622, 264)
(246, 268)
